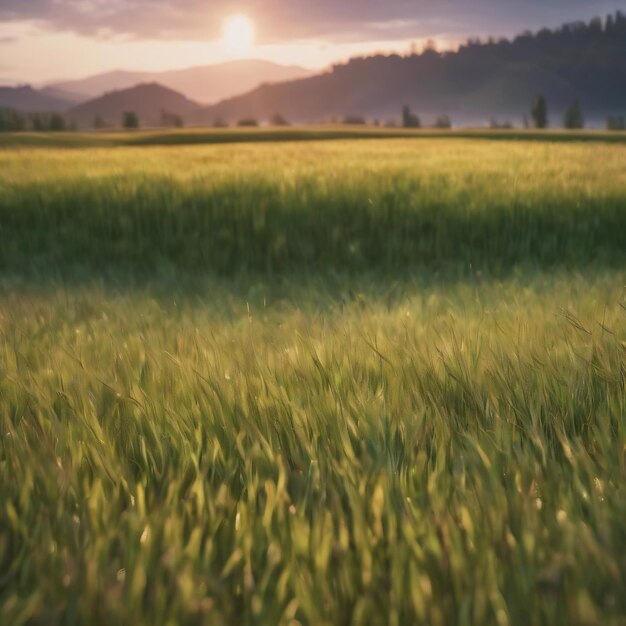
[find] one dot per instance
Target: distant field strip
(199, 136)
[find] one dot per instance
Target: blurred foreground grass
(420, 418)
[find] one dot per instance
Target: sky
(46, 40)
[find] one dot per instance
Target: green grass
(335, 382)
(195, 136)
(335, 206)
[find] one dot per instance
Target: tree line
(16, 121)
(12, 120)
(573, 119)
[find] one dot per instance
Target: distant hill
(29, 100)
(481, 80)
(148, 101)
(205, 84)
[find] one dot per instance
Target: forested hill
(148, 101)
(495, 78)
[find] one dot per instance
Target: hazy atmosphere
(39, 39)
(312, 313)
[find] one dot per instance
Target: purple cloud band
(293, 19)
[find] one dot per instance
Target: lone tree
(574, 117)
(278, 120)
(616, 122)
(354, 120)
(38, 123)
(495, 125)
(409, 119)
(130, 120)
(443, 121)
(539, 112)
(57, 123)
(171, 120)
(248, 122)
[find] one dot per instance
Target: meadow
(354, 381)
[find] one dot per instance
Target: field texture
(343, 382)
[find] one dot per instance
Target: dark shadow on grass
(152, 230)
(243, 295)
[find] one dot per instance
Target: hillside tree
(354, 120)
(616, 122)
(130, 120)
(573, 119)
(56, 123)
(37, 123)
(171, 120)
(443, 122)
(539, 112)
(410, 119)
(278, 120)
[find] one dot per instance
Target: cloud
(280, 20)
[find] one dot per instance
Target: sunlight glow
(238, 33)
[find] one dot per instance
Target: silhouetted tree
(409, 119)
(354, 120)
(5, 120)
(573, 118)
(248, 122)
(443, 121)
(595, 26)
(430, 46)
(610, 24)
(539, 112)
(56, 123)
(130, 120)
(616, 122)
(171, 120)
(278, 120)
(38, 123)
(13, 121)
(98, 122)
(495, 125)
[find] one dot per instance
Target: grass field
(328, 382)
(325, 132)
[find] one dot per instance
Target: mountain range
(207, 84)
(204, 84)
(580, 61)
(29, 100)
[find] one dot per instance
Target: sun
(238, 33)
